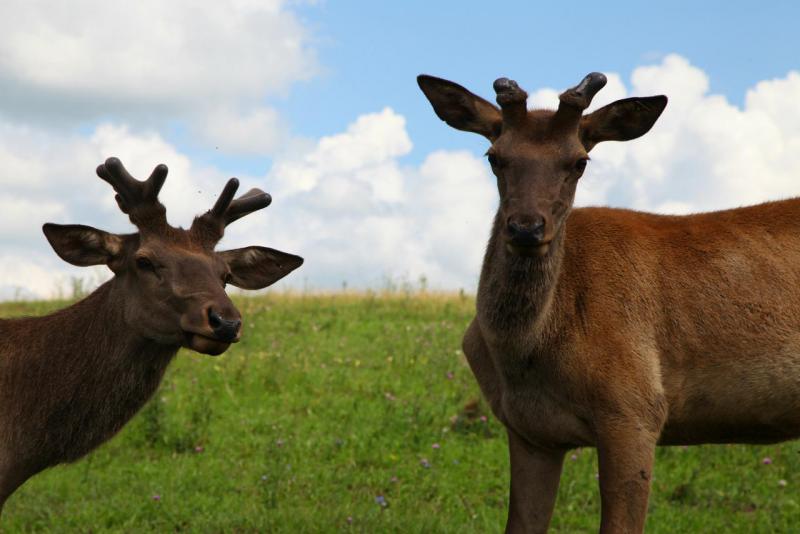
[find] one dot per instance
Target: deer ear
(461, 109)
(259, 267)
(82, 245)
(622, 120)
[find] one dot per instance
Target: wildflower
(394, 480)
(573, 457)
(381, 500)
(349, 520)
(264, 478)
(156, 497)
(483, 419)
(450, 375)
(766, 461)
(199, 449)
(782, 483)
(279, 443)
(425, 463)
(435, 446)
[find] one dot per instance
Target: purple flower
(381, 500)
(435, 446)
(349, 520)
(766, 461)
(483, 419)
(199, 449)
(156, 497)
(425, 463)
(450, 375)
(573, 457)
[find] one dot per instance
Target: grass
(354, 413)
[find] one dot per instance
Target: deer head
(170, 281)
(539, 155)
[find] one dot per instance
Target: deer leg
(626, 452)
(535, 474)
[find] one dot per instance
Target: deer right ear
(82, 245)
(460, 108)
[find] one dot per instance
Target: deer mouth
(204, 344)
(529, 251)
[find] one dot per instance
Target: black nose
(526, 233)
(224, 329)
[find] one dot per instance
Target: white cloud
(359, 216)
(210, 63)
(258, 131)
(704, 153)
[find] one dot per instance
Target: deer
(617, 329)
(69, 381)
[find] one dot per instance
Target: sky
(316, 103)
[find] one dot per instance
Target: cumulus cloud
(151, 61)
(704, 153)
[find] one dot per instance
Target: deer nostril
(214, 319)
(526, 231)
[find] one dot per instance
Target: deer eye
(145, 264)
(580, 165)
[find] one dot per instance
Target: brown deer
(613, 328)
(71, 380)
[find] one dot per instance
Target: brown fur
(625, 329)
(71, 380)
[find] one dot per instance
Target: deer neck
(516, 294)
(72, 379)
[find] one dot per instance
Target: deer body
(71, 380)
(618, 329)
(718, 359)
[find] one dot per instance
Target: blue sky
(317, 103)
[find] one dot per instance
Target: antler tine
(573, 101)
(253, 200)
(511, 99)
(225, 198)
(210, 226)
(139, 199)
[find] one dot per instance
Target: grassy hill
(358, 413)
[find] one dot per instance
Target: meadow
(357, 412)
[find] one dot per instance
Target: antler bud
(573, 101)
(136, 198)
(511, 99)
(211, 225)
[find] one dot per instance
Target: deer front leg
(535, 474)
(625, 452)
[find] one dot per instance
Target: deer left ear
(259, 267)
(82, 245)
(622, 120)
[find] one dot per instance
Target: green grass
(330, 402)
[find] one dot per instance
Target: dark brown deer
(71, 380)
(618, 329)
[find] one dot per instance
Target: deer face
(538, 156)
(171, 281)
